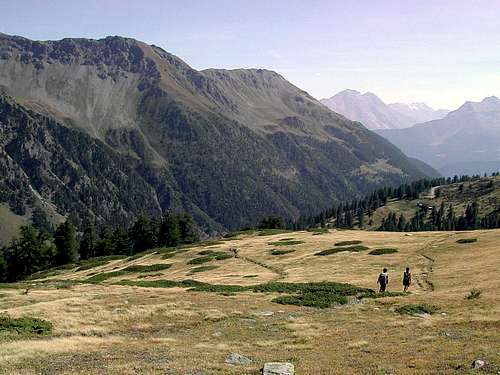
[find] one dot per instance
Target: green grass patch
(212, 255)
(336, 250)
(318, 231)
(417, 309)
(134, 257)
(204, 269)
(149, 275)
(318, 295)
(148, 268)
(281, 252)
(348, 243)
(474, 294)
(168, 255)
(206, 252)
(235, 234)
(285, 243)
(383, 251)
(24, 325)
(272, 232)
(130, 269)
(467, 240)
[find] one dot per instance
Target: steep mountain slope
(370, 110)
(111, 128)
(471, 134)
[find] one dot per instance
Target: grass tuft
(355, 249)
(417, 309)
(25, 325)
(204, 268)
(474, 294)
(285, 243)
(467, 240)
(272, 232)
(348, 243)
(281, 252)
(383, 251)
(212, 255)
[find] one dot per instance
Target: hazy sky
(440, 52)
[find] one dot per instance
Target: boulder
(278, 368)
(478, 363)
(237, 359)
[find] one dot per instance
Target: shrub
(281, 252)
(383, 251)
(317, 231)
(347, 243)
(205, 252)
(104, 276)
(474, 294)
(204, 268)
(149, 275)
(467, 240)
(285, 243)
(271, 232)
(213, 255)
(147, 268)
(417, 309)
(355, 249)
(25, 325)
(168, 255)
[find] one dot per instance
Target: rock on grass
(278, 368)
(237, 360)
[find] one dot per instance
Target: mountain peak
(370, 110)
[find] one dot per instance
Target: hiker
(406, 279)
(383, 280)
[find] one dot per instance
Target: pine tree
(170, 232)
(66, 243)
(88, 242)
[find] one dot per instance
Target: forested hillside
(108, 129)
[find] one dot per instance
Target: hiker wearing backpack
(383, 280)
(406, 279)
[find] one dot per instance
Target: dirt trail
(423, 278)
(280, 273)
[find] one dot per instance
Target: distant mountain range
(372, 112)
(466, 141)
(109, 129)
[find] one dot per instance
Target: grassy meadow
(164, 313)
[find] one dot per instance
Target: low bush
(149, 275)
(212, 255)
(281, 252)
(168, 255)
(271, 232)
(318, 231)
(474, 294)
(104, 276)
(285, 243)
(205, 252)
(147, 268)
(383, 251)
(348, 243)
(355, 249)
(25, 325)
(417, 309)
(204, 268)
(467, 240)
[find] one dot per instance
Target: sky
(439, 52)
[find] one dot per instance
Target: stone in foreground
(478, 363)
(278, 368)
(237, 359)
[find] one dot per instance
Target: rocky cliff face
(114, 127)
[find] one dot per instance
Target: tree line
(360, 211)
(38, 249)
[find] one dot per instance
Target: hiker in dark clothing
(383, 280)
(406, 279)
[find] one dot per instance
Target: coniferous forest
(38, 249)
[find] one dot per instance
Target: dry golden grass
(114, 329)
